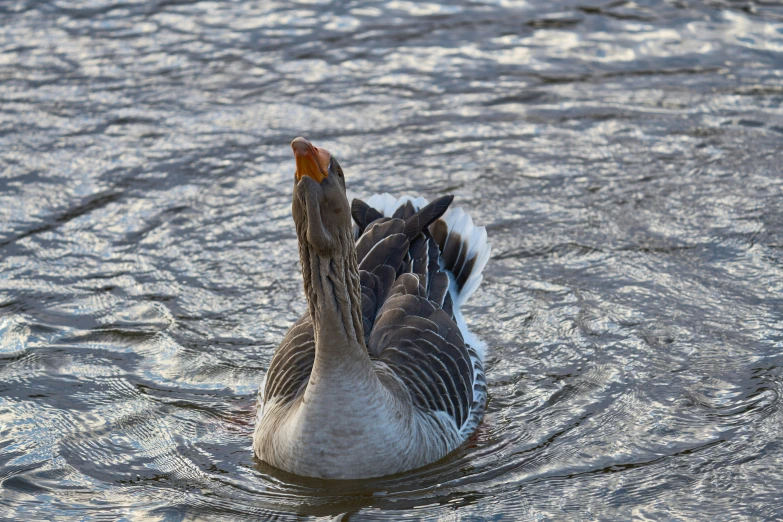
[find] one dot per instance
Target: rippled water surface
(624, 156)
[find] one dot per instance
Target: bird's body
(380, 375)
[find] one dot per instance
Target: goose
(380, 375)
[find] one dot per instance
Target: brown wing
(422, 345)
(407, 311)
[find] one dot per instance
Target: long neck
(333, 292)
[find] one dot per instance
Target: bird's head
(321, 210)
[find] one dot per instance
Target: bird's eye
(334, 166)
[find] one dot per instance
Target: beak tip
(300, 145)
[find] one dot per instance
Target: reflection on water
(625, 157)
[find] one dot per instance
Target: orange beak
(311, 161)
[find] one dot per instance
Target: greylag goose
(380, 375)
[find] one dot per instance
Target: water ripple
(623, 156)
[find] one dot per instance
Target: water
(624, 156)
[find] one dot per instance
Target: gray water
(624, 156)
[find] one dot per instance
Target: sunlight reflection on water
(625, 158)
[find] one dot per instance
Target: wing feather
(292, 363)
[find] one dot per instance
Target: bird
(380, 375)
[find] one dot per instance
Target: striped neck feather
(333, 291)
